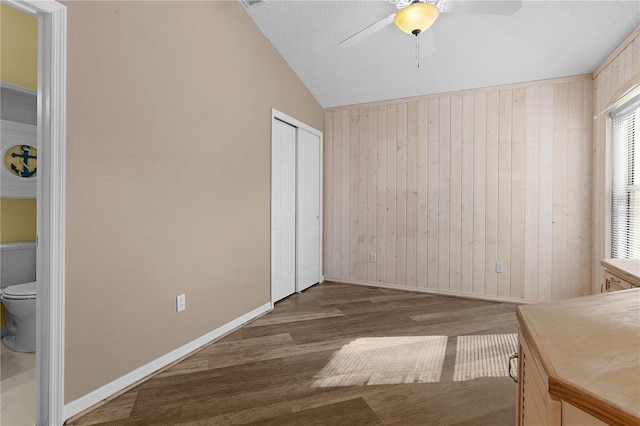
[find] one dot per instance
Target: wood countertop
(589, 348)
(627, 269)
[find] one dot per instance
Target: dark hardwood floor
(262, 374)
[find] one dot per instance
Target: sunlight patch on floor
(484, 356)
(385, 360)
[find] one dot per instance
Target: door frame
(280, 116)
(52, 60)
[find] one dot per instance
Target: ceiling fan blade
(366, 32)
(489, 7)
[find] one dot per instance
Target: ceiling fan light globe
(417, 16)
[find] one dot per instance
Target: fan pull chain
(415, 33)
(418, 50)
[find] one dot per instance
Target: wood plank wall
(617, 74)
(442, 187)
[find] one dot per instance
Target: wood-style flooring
(262, 373)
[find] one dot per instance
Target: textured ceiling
(544, 39)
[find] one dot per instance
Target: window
(625, 181)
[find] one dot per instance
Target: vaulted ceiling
(543, 39)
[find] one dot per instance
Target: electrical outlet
(181, 303)
(499, 267)
(372, 257)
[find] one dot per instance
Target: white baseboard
(104, 392)
(489, 298)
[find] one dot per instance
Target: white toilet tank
(17, 263)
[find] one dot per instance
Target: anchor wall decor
(18, 160)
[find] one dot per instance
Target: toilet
(20, 302)
(18, 295)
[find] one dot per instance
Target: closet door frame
(280, 116)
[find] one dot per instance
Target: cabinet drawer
(614, 283)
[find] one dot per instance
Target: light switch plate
(181, 303)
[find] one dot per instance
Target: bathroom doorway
(51, 121)
(18, 213)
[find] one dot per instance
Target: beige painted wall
(617, 74)
(168, 178)
(442, 187)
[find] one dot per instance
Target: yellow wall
(17, 220)
(19, 48)
(18, 66)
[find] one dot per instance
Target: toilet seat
(20, 291)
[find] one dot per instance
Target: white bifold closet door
(283, 210)
(295, 228)
(308, 210)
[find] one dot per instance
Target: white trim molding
(52, 116)
(104, 392)
(433, 291)
(17, 88)
(296, 123)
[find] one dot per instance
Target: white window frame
(625, 179)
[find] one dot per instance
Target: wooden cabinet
(572, 416)
(613, 282)
(579, 361)
(620, 274)
(537, 406)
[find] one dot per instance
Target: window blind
(625, 181)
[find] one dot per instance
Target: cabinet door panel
(572, 416)
(536, 405)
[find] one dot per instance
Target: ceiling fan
(416, 16)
